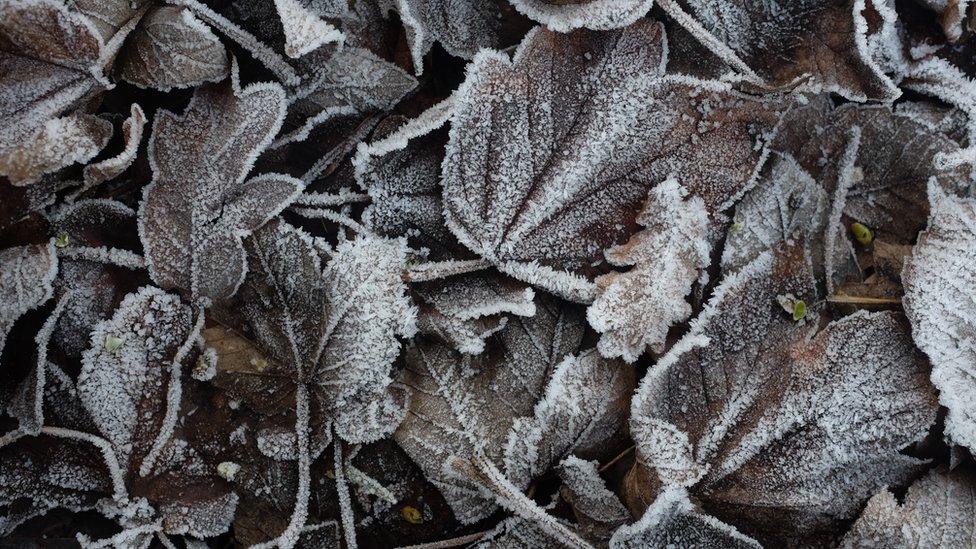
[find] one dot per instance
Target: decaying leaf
(463, 405)
(132, 390)
(198, 207)
(940, 289)
(170, 48)
(672, 520)
(894, 161)
(26, 281)
(823, 43)
(776, 429)
(461, 26)
(111, 168)
(564, 16)
(542, 174)
(334, 328)
(50, 60)
(465, 310)
(937, 512)
(634, 310)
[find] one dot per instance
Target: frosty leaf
(893, 164)
(938, 511)
(42, 473)
(940, 292)
(26, 277)
(464, 310)
(349, 81)
(96, 287)
(565, 16)
(304, 29)
(198, 207)
(597, 509)
(49, 57)
(401, 172)
(335, 329)
(583, 406)
(634, 310)
(673, 521)
(170, 48)
(777, 431)
(109, 16)
(125, 389)
(59, 142)
(111, 168)
(462, 27)
(542, 174)
(952, 14)
(129, 393)
(463, 406)
(786, 43)
(786, 206)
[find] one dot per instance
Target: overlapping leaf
(26, 281)
(564, 16)
(198, 207)
(542, 174)
(51, 62)
(778, 430)
(940, 290)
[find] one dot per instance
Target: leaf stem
(108, 255)
(434, 270)
(345, 504)
(511, 498)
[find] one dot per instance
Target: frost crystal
(940, 293)
(563, 16)
(785, 42)
(672, 521)
(198, 207)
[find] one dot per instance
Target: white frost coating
(172, 49)
(304, 30)
(774, 420)
(106, 255)
(940, 301)
(463, 405)
(584, 405)
(335, 329)
(564, 16)
(672, 521)
(274, 62)
(173, 395)
(835, 237)
(122, 388)
(342, 489)
(428, 121)
(51, 67)
(586, 491)
(821, 46)
(26, 281)
(199, 207)
(30, 414)
(290, 536)
(542, 174)
(110, 168)
(786, 206)
(634, 310)
(108, 454)
(937, 511)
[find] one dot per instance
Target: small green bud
(61, 241)
(113, 343)
(862, 234)
(736, 226)
(412, 515)
(799, 310)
